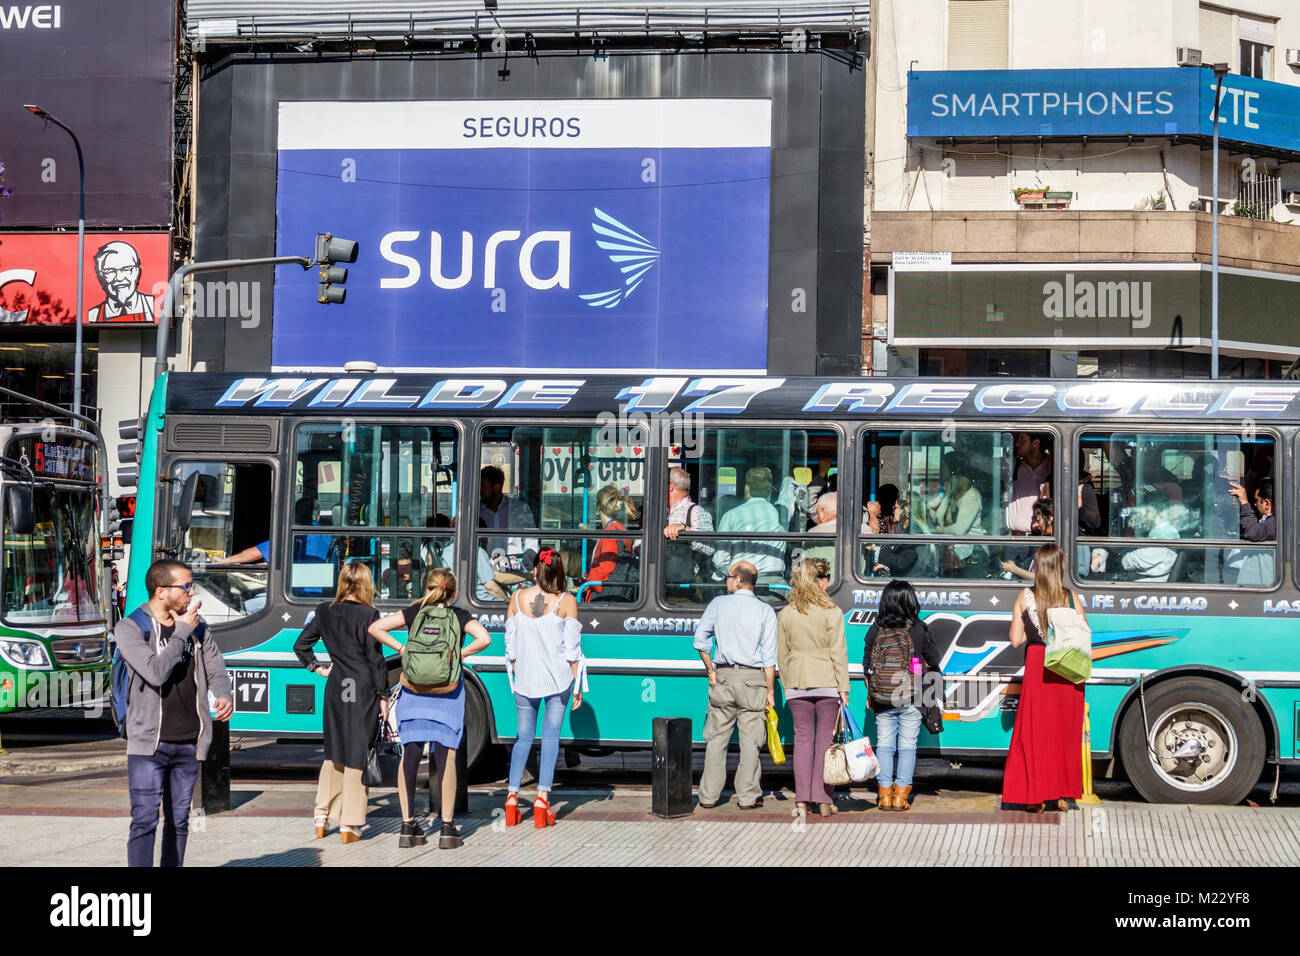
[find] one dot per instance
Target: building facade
(1042, 180)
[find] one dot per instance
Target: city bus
(54, 595)
(265, 484)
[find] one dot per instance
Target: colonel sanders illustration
(117, 266)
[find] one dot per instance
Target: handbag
(862, 761)
(932, 713)
(835, 765)
(1069, 644)
(774, 746)
(383, 761)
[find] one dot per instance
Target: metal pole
(1214, 240)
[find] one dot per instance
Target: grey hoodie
(152, 663)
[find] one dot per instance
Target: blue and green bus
(1196, 684)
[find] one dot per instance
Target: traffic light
(329, 251)
(131, 431)
(121, 516)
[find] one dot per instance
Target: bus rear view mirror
(20, 510)
(186, 508)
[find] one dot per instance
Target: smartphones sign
(583, 234)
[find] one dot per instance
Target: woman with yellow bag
(813, 661)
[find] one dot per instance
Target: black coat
(358, 677)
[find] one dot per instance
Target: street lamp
(81, 247)
(1220, 71)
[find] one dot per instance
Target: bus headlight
(24, 653)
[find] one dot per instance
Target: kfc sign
(125, 275)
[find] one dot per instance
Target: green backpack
(433, 644)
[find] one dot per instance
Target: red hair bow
(546, 556)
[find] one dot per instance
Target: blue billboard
(566, 234)
(1070, 103)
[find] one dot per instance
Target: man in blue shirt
(742, 675)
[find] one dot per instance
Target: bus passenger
(742, 676)
(497, 510)
(814, 665)
(681, 564)
(957, 509)
(434, 719)
(544, 662)
(1043, 766)
(1044, 525)
(1152, 565)
(893, 559)
(1030, 481)
(828, 505)
(760, 516)
(356, 697)
(613, 509)
(1263, 527)
(1089, 510)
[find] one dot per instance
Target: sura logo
(1098, 300)
(46, 16)
(631, 253)
(76, 909)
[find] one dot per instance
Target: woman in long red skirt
(1044, 767)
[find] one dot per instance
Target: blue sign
(596, 235)
(1067, 103)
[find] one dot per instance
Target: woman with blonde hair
(428, 717)
(615, 511)
(356, 697)
(1043, 769)
(813, 661)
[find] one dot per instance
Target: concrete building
(1041, 186)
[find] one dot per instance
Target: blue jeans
(166, 777)
(526, 712)
(897, 730)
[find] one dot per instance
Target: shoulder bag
(835, 765)
(383, 761)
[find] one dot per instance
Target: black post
(671, 767)
(215, 775)
(462, 784)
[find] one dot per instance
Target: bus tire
(1219, 736)
(477, 732)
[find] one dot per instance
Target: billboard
(583, 234)
(124, 277)
(1143, 102)
(104, 69)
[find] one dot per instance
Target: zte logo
(75, 909)
(1098, 300)
(46, 16)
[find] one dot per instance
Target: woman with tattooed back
(543, 659)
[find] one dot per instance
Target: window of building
(1216, 35)
(1182, 494)
(772, 491)
(225, 537)
(1256, 37)
(573, 490)
(977, 34)
(954, 503)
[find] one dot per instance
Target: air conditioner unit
(1293, 57)
(1187, 56)
(1291, 197)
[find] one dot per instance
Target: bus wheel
(1199, 743)
(477, 736)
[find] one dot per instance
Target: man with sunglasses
(175, 669)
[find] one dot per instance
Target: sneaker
(412, 835)
(450, 837)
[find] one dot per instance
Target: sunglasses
(187, 588)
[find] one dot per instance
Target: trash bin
(671, 767)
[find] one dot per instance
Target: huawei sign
(45, 16)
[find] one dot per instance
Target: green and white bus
(54, 596)
(1196, 685)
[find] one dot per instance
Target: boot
(886, 799)
(900, 798)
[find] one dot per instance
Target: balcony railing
(1256, 198)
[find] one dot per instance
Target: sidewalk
(600, 830)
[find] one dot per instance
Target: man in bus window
(681, 563)
(1258, 523)
(499, 510)
(1030, 480)
(1152, 564)
(828, 505)
(759, 516)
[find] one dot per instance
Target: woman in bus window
(893, 559)
(957, 509)
(615, 511)
(1043, 767)
(426, 718)
(543, 660)
(356, 696)
(814, 664)
(1042, 524)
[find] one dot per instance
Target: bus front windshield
(52, 575)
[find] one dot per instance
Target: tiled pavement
(621, 832)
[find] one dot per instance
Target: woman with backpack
(431, 713)
(1043, 769)
(544, 661)
(814, 664)
(897, 647)
(356, 697)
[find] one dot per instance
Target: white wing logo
(633, 253)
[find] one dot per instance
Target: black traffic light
(121, 516)
(329, 250)
(131, 431)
